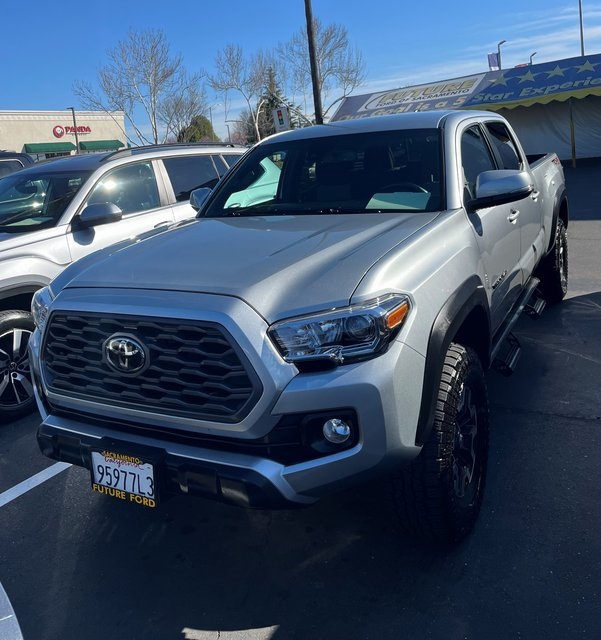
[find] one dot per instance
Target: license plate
(125, 477)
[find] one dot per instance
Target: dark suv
(12, 161)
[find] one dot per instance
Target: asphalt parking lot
(79, 565)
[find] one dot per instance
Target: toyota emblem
(125, 354)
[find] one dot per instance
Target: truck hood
(280, 265)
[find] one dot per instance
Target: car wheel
(16, 390)
(439, 494)
(554, 274)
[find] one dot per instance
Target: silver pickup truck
(328, 315)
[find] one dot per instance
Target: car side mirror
(98, 213)
(198, 197)
(500, 187)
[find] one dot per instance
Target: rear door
(529, 209)
(186, 173)
(497, 229)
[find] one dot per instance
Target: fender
(559, 199)
(468, 297)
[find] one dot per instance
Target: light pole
(532, 56)
(581, 29)
(499, 53)
(228, 129)
(75, 129)
(229, 135)
(315, 80)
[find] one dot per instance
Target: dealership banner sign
(520, 86)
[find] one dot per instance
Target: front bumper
(382, 394)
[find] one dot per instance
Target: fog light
(336, 431)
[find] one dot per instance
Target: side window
(221, 165)
(504, 145)
(475, 158)
(8, 166)
(190, 172)
(132, 188)
(232, 158)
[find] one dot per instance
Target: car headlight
(39, 307)
(341, 335)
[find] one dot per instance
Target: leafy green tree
(200, 129)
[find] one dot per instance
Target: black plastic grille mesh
(193, 370)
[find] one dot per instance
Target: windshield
(360, 173)
(35, 200)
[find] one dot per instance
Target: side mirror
(96, 214)
(198, 197)
(500, 187)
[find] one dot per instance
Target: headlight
(341, 335)
(39, 307)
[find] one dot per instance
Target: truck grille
(194, 369)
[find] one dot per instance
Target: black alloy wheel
(16, 389)
(439, 494)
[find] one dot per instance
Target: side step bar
(535, 307)
(506, 349)
(507, 358)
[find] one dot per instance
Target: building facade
(48, 134)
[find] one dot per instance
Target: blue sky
(49, 45)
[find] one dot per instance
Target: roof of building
(524, 85)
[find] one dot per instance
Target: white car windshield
(31, 200)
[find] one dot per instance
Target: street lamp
(532, 56)
(499, 53)
(581, 29)
(229, 135)
(75, 129)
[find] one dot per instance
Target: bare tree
(341, 66)
(177, 111)
(141, 75)
(248, 75)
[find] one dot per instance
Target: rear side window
(8, 166)
(232, 158)
(189, 173)
(504, 145)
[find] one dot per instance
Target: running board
(508, 356)
(535, 307)
(505, 330)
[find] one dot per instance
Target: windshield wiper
(17, 217)
(253, 211)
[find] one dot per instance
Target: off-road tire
(439, 494)
(554, 269)
(16, 391)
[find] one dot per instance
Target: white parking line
(25, 486)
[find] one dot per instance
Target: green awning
(100, 145)
(49, 147)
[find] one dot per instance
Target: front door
(133, 188)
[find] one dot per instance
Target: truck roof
(413, 120)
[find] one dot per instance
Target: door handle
(162, 224)
(513, 216)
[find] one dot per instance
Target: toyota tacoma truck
(329, 314)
